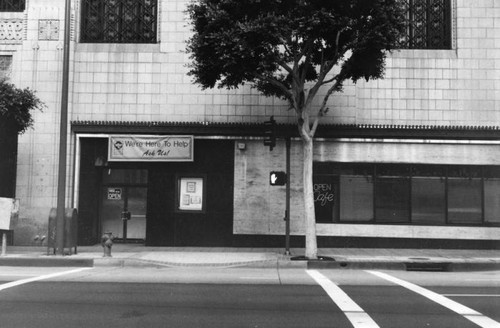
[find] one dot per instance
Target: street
(246, 297)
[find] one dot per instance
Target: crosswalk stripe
(356, 315)
(472, 295)
(470, 314)
(47, 276)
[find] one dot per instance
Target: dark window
(407, 194)
(492, 200)
(392, 203)
(428, 194)
(5, 66)
(429, 24)
(356, 198)
(492, 194)
(392, 194)
(464, 201)
(12, 5)
(119, 21)
(428, 200)
(464, 195)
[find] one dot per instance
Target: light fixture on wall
(242, 146)
(100, 162)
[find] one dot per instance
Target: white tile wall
(149, 82)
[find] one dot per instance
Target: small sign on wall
(9, 209)
(114, 193)
(191, 194)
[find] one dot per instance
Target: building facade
(410, 160)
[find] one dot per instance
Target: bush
(16, 106)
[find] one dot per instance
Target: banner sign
(145, 148)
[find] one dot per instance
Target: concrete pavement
(136, 255)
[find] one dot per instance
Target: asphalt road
(128, 297)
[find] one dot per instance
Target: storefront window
(464, 201)
(356, 198)
(407, 194)
(428, 200)
(392, 204)
(392, 194)
(492, 200)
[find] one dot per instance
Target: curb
(46, 262)
(438, 265)
(429, 266)
(141, 263)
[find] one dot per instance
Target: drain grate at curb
(428, 266)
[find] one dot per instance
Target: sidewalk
(124, 255)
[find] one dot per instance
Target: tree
(15, 118)
(297, 50)
(16, 105)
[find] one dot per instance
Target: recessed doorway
(124, 204)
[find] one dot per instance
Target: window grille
(429, 24)
(12, 5)
(119, 21)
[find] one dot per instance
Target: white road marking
(258, 278)
(47, 276)
(356, 315)
(470, 314)
(16, 274)
(472, 295)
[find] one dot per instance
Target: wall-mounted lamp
(242, 146)
(100, 162)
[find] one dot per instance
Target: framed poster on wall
(190, 194)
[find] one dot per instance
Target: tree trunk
(310, 217)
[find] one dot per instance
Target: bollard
(107, 243)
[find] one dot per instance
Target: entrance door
(124, 212)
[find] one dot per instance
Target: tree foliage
(16, 106)
(281, 45)
(296, 50)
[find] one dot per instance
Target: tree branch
(281, 86)
(322, 110)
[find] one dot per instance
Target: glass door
(135, 207)
(124, 212)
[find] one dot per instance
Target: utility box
(70, 229)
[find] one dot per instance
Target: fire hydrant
(107, 243)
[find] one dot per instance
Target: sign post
(280, 178)
(4, 243)
(287, 211)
